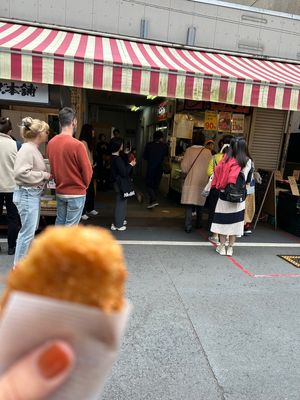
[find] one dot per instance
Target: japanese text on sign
(22, 91)
(238, 123)
(211, 121)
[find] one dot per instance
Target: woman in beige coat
(194, 166)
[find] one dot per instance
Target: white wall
(224, 27)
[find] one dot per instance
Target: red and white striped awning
(35, 54)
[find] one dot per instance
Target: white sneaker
(114, 228)
(214, 239)
(221, 249)
(93, 212)
(152, 205)
(84, 217)
(230, 251)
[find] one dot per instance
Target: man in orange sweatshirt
(71, 170)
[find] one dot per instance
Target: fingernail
(53, 361)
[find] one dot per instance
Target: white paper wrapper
(31, 320)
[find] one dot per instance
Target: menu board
(224, 121)
(238, 123)
(211, 121)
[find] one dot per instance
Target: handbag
(206, 190)
(125, 186)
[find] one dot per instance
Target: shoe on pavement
(214, 239)
(114, 228)
(84, 217)
(93, 212)
(221, 249)
(187, 230)
(152, 205)
(11, 251)
(230, 251)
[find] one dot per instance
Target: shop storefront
(240, 95)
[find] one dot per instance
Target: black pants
(212, 203)
(120, 208)
(13, 222)
(90, 198)
(189, 217)
(152, 182)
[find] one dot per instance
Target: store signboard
(224, 121)
(211, 121)
(162, 111)
(23, 91)
(238, 123)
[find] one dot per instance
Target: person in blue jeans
(31, 175)
(71, 170)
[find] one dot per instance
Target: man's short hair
(116, 132)
(66, 116)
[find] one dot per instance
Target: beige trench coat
(197, 178)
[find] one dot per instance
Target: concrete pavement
(207, 327)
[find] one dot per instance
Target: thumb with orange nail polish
(39, 373)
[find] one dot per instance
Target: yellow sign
(293, 185)
(211, 121)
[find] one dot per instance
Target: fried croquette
(79, 264)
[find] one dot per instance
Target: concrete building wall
(221, 26)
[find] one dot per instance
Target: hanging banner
(238, 123)
(211, 121)
(22, 91)
(224, 121)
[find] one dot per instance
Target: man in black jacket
(154, 154)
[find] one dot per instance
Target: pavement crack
(220, 387)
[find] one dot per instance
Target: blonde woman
(30, 175)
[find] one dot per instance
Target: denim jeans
(69, 210)
(27, 201)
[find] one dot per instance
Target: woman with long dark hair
(87, 135)
(228, 219)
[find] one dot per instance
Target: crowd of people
(227, 179)
(75, 163)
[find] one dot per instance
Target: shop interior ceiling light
(135, 108)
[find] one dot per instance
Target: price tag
(293, 185)
(211, 121)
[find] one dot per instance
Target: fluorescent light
(134, 108)
(149, 97)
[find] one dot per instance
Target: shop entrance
(137, 118)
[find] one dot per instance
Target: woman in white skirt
(229, 217)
